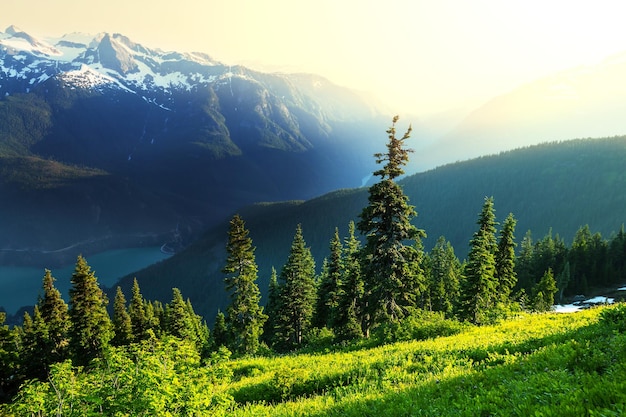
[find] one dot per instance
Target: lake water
(20, 286)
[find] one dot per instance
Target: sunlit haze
(418, 57)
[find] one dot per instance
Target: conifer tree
(200, 329)
(245, 318)
(505, 275)
(391, 272)
(298, 293)
(9, 358)
(179, 321)
(272, 307)
(328, 292)
(219, 334)
(524, 262)
(122, 326)
(91, 329)
(137, 313)
(34, 352)
(563, 280)
(445, 271)
(479, 292)
(55, 315)
(543, 292)
(350, 314)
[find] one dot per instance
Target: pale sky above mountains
(417, 56)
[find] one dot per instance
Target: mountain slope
(587, 101)
(561, 186)
(181, 139)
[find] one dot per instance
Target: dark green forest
(381, 288)
(552, 189)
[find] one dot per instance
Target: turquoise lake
(20, 286)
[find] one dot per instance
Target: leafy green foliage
(161, 378)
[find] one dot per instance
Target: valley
(149, 265)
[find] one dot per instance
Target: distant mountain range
(550, 188)
(587, 101)
(105, 143)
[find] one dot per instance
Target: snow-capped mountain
(140, 141)
(113, 56)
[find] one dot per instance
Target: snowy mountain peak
(13, 30)
(15, 39)
(115, 55)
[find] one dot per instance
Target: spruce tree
(272, 308)
(298, 293)
(479, 292)
(328, 291)
(122, 326)
(137, 313)
(350, 315)
(391, 272)
(445, 271)
(543, 293)
(505, 275)
(54, 313)
(179, 321)
(219, 335)
(91, 329)
(244, 315)
(34, 352)
(9, 358)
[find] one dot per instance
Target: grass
(548, 364)
(532, 365)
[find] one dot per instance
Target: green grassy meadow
(550, 364)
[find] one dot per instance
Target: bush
(419, 325)
(615, 316)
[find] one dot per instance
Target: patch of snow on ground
(567, 308)
(621, 289)
(599, 300)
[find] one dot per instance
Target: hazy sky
(418, 56)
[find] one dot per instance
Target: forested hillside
(554, 187)
(368, 295)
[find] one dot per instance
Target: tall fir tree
(219, 335)
(272, 308)
(505, 275)
(391, 271)
(479, 292)
(122, 326)
(91, 329)
(55, 314)
(298, 294)
(179, 321)
(137, 313)
(543, 293)
(328, 291)
(9, 358)
(445, 272)
(34, 352)
(244, 315)
(350, 315)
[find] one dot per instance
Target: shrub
(615, 316)
(419, 325)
